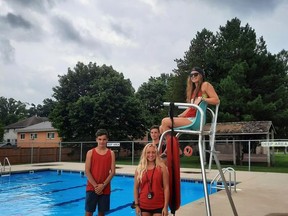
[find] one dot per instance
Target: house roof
(244, 128)
(26, 122)
(43, 126)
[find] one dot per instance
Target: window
(50, 135)
(33, 136)
(22, 136)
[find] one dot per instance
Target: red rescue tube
(188, 151)
(173, 163)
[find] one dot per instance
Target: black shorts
(93, 199)
(152, 211)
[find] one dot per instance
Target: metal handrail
(3, 167)
(218, 177)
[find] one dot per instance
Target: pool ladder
(5, 169)
(216, 183)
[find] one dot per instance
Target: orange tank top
(100, 170)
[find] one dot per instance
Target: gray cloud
(40, 6)
(247, 6)
(66, 30)
(6, 51)
(138, 38)
(17, 21)
(18, 28)
(120, 29)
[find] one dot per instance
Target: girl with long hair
(151, 184)
(197, 90)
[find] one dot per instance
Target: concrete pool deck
(258, 193)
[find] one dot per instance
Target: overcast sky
(40, 39)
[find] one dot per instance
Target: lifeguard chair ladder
(198, 129)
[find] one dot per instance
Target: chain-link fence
(234, 152)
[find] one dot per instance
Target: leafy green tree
(152, 94)
(92, 97)
(33, 110)
(11, 111)
(259, 81)
(1, 131)
(41, 110)
(201, 54)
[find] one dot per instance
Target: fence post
(234, 152)
(60, 151)
(81, 149)
(249, 155)
(133, 152)
(32, 149)
(268, 151)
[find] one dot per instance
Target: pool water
(63, 193)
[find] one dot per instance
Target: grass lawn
(280, 166)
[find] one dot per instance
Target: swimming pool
(63, 193)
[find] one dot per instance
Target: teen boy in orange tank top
(100, 169)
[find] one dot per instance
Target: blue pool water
(63, 193)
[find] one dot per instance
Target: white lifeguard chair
(198, 129)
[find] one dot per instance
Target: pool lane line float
(173, 163)
(188, 151)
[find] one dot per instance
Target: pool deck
(258, 193)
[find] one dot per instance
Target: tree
(41, 110)
(201, 54)
(234, 83)
(1, 131)
(92, 97)
(152, 94)
(259, 77)
(11, 111)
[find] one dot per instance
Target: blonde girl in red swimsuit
(151, 184)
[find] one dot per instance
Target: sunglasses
(194, 74)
